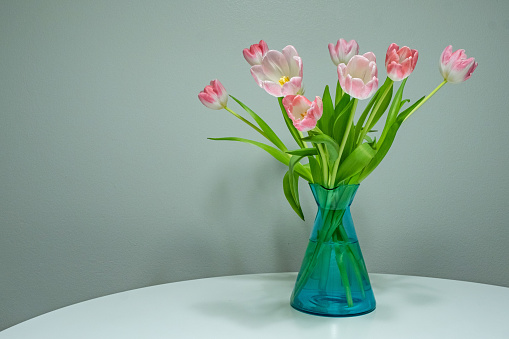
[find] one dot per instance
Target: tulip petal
(275, 66)
(292, 87)
(258, 74)
(272, 88)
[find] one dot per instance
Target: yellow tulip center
(303, 115)
(283, 80)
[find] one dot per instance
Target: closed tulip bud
(214, 96)
(400, 62)
(456, 67)
(359, 77)
(255, 53)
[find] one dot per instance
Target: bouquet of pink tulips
(338, 150)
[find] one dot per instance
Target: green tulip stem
(373, 112)
(332, 178)
(425, 99)
(247, 122)
(321, 151)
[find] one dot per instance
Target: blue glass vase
(333, 280)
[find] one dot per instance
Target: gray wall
(108, 182)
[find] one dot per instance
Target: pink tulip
(359, 77)
(343, 51)
(400, 62)
(214, 96)
(255, 53)
(279, 74)
(303, 112)
(455, 67)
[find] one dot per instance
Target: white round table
(257, 306)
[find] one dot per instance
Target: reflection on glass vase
(333, 280)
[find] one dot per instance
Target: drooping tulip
(456, 67)
(214, 96)
(303, 113)
(343, 51)
(280, 74)
(359, 78)
(255, 53)
(400, 62)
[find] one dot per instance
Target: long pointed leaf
(340, 124)
(387, 142)
(294, 182)
(331, 144)
(303, 152)
(339, 94)
(356, 161)
(277, 154)
(364, 114)
(287, 179)
(316, 171)
(328, 112)
(387, 86)
(263, 125)
(396, 104)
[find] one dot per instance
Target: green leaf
(356, 161)
(290, 195)
(349, 145)
(364, 115)
(345, 100)
(387, 142)
(328, 111)
(277, 154)
(294, 160)
(263, 125)
(403, 115)
(289, 124)
(331, 144)
(386, 91)
(339, 94)
(396, 104)
(316, 171)
(340, 124)
(303, 152)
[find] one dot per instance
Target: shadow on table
(266, 301)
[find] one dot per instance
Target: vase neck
(338, 198)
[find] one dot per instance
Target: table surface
(257, 306)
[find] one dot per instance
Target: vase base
(330, 306)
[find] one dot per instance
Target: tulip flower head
(255, 53)
(456, 67)
(280, 73)
(343, 51)
(359, 77)
(304, 113)
(400, 62)
(214, 96)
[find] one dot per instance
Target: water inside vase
(337, 284)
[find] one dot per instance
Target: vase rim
(334, 188)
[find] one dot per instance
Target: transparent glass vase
(333, 280)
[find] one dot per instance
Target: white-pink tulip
(304, 113)
(456, 67)
(279, 74)
(359, 78)
(214, 96)
(255, 53)
(343, 51)
(400, 62)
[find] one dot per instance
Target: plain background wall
(108, 182)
